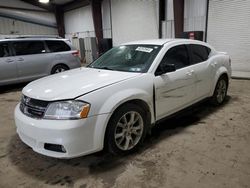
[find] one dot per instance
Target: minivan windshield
(129, 58)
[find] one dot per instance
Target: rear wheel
(126, 129)
(220, 91)
(59, 68)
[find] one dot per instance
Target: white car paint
(79, 82)
(106, 90)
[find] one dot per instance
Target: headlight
(67, 110)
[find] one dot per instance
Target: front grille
(33, 107)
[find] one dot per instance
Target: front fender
(112, 103)
(106, 100)
(121, 97)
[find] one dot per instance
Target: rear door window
(4, 50)
(200, 53)
(57, 46)
(28, 47)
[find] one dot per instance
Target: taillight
(230, 61)
(76, 53)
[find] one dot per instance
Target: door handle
(214, 64)
(9, 60)
(190, 73)
(20, 59)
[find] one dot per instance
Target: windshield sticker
(135, 69)
(144, 49)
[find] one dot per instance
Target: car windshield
(129, 58)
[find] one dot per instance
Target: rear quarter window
(57, 46)
(200, 53)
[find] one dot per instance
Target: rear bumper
(75, 63)
(78, 137)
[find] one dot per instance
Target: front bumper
(78, 137)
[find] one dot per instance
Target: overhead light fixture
(44, 1)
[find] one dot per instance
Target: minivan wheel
(126, 129)
(220, 91)
(59, 68)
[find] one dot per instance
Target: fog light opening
(63, 149)
(55, 147)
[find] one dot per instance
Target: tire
(59, 68)
(220, 91)
(126, 129)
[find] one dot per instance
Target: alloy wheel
(221, 90)
(129, 130)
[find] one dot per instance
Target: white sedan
(114, 101)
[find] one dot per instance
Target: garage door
(229, 30)
(134, 20)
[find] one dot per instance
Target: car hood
(74, 83)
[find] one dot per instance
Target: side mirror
(164, 68)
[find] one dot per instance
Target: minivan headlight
(71, 109)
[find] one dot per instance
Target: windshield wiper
(106, 68)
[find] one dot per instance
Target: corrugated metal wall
(106, 19)
(14, 27)
(168, 25)
(134, 20)
(19, 4)
(229, 30)
(79, 23)
(195, 15)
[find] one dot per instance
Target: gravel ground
(208, 147)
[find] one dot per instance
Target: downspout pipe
(206, 21)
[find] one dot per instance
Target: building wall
(19, 4)
(129, 19)
(228, 30)
(134, 20)
(168, 24)
(106, 19)
(195, 15)
(79, 23)
(11, 25)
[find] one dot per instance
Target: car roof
(162, 41)
(151, 42)
(30, 39)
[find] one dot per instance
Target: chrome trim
(32, 110)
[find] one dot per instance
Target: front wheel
(126, 129)
(220, 91)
